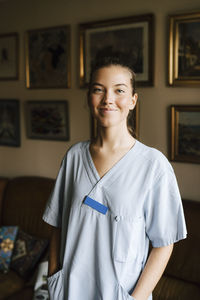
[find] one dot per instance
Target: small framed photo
(48, 57)
(133, 123)
(47, 120)
(131, 35)
(9, 123)
(185, 133)
(184, 49)
(9, 56)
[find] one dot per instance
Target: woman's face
(111, 95)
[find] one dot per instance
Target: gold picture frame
(184, 50)
(185, 133)
(133, 35)
(133, 123)
(48, 58)
(47, 120)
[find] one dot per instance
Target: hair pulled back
(109, 58)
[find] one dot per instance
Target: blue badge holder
(95, 205)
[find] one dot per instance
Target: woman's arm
(54, 251)
(152, 272)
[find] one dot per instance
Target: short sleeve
(165, 222)
(53, 211)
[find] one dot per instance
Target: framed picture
(9, 123)
(184, 49)
(48, 57)
(47, 120)
(185, 133)
(9, 56)
(133, 123)
(131, 35)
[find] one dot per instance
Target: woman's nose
(108, 98)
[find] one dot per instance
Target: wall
(43, 158)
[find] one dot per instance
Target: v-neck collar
(112, 172)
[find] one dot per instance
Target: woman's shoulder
(75, 150)
(153, 156)
(77, 147)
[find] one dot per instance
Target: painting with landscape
(189, 133)
(184, 49)
(185, 133)
(189, 49)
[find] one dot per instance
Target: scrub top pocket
(126, 238)
(55, 285)
(123, 295)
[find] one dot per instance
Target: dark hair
(105, 58)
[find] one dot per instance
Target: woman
(112, 197)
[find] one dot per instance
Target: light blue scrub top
(105, 238)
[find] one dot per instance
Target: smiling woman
(123, 84)
(111, 96)
(112, 197)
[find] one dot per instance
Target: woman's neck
(114, 138)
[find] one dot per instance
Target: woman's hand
(152, 272)
(54, 251)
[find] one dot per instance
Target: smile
(107, 110)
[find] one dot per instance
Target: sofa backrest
(3, 183)
(24, 202)
(185, 260)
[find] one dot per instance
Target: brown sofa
(181, 280)
(22, 201)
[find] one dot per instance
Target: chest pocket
(128, 238)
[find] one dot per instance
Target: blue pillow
(7, 240)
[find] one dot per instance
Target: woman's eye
(97, 90)
(120, 91)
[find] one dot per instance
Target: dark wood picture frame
(185, 133)
(133, 35)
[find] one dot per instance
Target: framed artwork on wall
(133, 123)
(48, 57)
(184, 49)
(47, 120)
(9, 56)
(9, 122)
(185, 133)
(131, 35)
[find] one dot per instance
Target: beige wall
(43, 157)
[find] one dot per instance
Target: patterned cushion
(7, 240)
(27, 252)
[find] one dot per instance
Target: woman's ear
(134, 101)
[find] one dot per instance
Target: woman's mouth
(107, 109)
